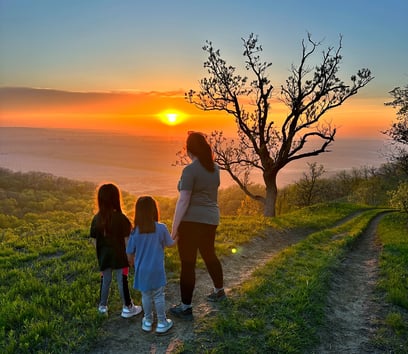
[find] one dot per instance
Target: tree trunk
(271, 195)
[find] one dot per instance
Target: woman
(195, 222)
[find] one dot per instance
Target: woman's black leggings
(195, 236)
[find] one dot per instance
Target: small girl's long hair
(108, 202)
(200, 148)
(146, 214)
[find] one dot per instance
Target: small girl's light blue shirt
(148, 250)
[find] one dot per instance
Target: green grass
(393, 234)
(237, 230)
(280, 308)
(48, 294)
(49, 281)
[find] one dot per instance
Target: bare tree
(308, 94)
(307, 186)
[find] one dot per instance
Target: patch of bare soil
(351, 312)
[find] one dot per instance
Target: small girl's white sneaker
(163, 327)
(146, 325)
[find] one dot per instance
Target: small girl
(111, 228)
(146, 250)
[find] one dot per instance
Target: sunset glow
(107, 80)
(172, 117)
(134, 113)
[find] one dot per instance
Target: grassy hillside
(49, 280)
(47, 266)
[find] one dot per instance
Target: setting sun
(172, 117)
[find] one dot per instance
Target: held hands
(175, 236)
(131, 260)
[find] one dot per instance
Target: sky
(125, 65)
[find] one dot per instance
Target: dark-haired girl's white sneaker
(130, 311)
(103, 310)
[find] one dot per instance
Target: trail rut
(354, 310)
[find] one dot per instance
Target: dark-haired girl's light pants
(121, 276)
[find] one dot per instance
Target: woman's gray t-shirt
(203, 185)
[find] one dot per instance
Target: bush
(399, 197)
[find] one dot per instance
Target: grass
(49, 282)
(48, 294)
(393, 235)
(281, 307)
(236, 231)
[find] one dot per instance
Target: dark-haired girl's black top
(111, 248)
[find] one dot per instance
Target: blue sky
(107, 45)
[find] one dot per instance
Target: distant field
(143, 164)
(137, 164)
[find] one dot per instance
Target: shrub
(399, 197)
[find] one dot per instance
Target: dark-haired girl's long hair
(200, 148)
(108, 202)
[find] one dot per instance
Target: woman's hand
(175, 237)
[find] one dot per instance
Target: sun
(171, 117)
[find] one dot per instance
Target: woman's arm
(181, 208)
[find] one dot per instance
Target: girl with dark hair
(145, 250)
(195, 222)
(111, 228)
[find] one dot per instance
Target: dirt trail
(350, 318)
(353, 311)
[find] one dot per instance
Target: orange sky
(74, 56)
(146, 113)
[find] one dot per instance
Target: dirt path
(350, 318)
(353, 310)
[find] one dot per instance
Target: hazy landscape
(140, 164)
